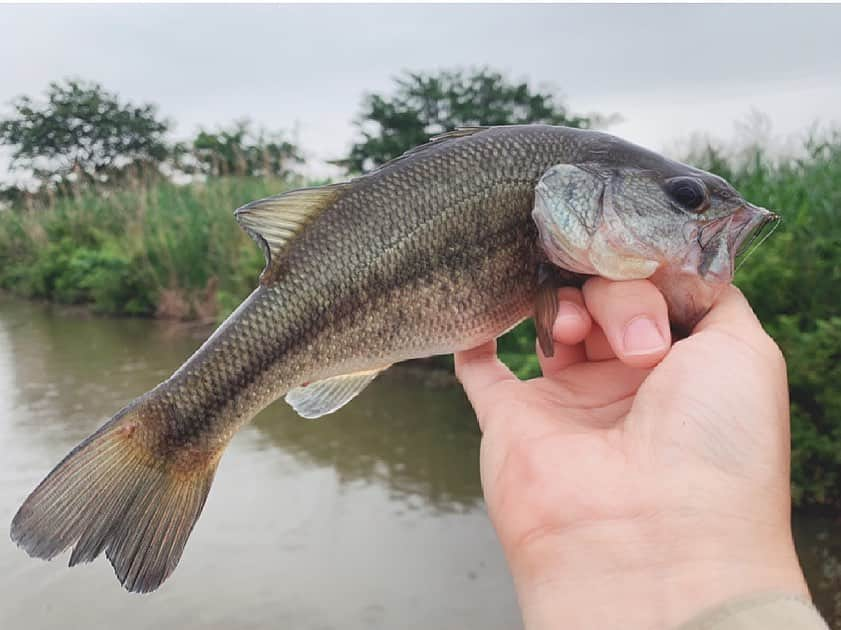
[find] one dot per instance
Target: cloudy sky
(669, 71)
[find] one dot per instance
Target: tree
(83, 133)
(240, 150)
(427, 104)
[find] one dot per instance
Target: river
(371, 518)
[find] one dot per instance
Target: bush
(814, 369)
(793, 282)
(124, 251)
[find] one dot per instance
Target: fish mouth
(728, 239)
(753, 225)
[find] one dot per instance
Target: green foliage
(157, 249)
(83, 133)
(793, 282)
(813, 354)
(68, 274)
(425, 104)
(239, 150)
(517, 350)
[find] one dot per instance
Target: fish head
(679, 226)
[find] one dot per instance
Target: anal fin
(323, 397)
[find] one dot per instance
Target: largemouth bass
(437, 251)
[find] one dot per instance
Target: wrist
(647, 573)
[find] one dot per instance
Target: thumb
(732, 315)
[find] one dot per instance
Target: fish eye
(688, 192)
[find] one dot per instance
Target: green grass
(169, 250)
(159, 249)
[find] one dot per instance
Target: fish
(439, 250)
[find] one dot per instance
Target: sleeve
(771, 611)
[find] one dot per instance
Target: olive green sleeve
(771, 611)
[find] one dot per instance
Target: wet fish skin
(435, 252)
(423, 257)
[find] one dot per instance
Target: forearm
(611, 575)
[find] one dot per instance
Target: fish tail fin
(112, 493)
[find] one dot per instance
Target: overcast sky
(668, 70)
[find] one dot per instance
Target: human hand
(636, 482)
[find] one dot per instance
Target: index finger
(479, 370)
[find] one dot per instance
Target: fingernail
(642, 337)
(569, 310)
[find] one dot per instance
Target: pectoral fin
(323, 397)
(546, 308)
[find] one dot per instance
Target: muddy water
(372, 518)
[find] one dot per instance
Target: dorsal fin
(433, 142)
(274, 221)
(458, 132)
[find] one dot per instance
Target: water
(372, 518)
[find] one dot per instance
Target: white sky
(668, 70)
